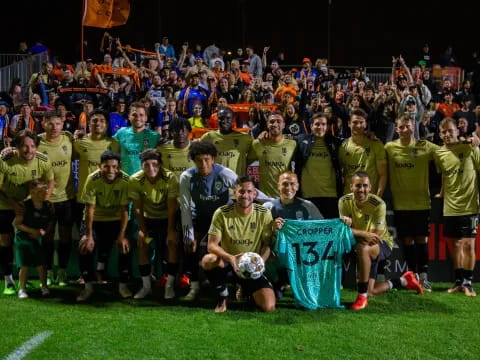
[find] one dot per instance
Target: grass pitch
(396, 325)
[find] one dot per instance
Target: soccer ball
(251, 266)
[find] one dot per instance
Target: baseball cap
(198, 56)
(305, 60)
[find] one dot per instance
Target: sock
(89, 286)
(458, 277)
(6, 259)
(363, 288)
(195, 285)
(410, 257)
(421, 251)
(122, 286)
(147, 282)
(170, 280)
(145, 270)
(467, 277)
(9, 280)
(397, 283)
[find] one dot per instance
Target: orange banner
(105, 13)
(118, 71)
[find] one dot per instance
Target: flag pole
(82, 55)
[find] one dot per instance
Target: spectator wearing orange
(286, 87)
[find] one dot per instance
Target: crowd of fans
(194, 82)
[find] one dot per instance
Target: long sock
(409, 251)
(458, 277)
(362, 288)
(48, 248)
(191, 266)
(467, 277)
(64, 249)
(124, 267)
(6, 259)
(421, 251)
(396, 283)
(218, 278)
(145, 272)
(171, 269)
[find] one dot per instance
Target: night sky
(362, 33)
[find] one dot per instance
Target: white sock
(170, 280)
(9, 279)
(224, 293)
(390, 285)
(100, 266)
(122, 286)
(89, 286)
(147, 282)
(403, 282)
(195, 285)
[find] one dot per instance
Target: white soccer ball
(251, 266)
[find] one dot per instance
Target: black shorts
(412, 223)
(250, 286)
(6, 221)
(64, 211)
(157, 229)
(463, 226)
(383, 255)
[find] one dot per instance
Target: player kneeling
(236, 229)
(106, 218)
(374, 242)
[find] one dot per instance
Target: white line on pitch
(24, 349)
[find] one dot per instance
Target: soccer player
(408, 164)
(459, 164)
(106, 219)
(154, 191)
(25, 165)
(57, 145)
(374, 242)
(274, 155)
(175, 152)
(207, 186)
(88, 150)
(32, 224)
(318, 167)
(232, 146)
(290, 206)
(359, 153)
(236, 229)
(136, 138)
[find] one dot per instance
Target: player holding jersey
(374, 242)
(459, 164)
(236, 229)
(232, 146)
(408, 164)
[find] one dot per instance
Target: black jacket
(304, 148)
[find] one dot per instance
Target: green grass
(399, 325)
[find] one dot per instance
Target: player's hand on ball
(234, 262)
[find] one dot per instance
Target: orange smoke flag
(105, 13)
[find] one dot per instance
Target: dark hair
(98, 112)
(318, 115)
(178, 124)
(244, 179)
(360, 174)
(109, 155)
(36, 182)
(358, 112)
(202, 147)
(151, 154)
(26, 133)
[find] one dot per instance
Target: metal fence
(19, 66)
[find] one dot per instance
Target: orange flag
(105, 13)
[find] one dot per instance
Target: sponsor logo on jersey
(242, 242)
(367, 218)
(367, 151)
(218, 185)
(275, 163)
(60, 163)
(404, 165)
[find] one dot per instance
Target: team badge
(65, 149)
(169, 156)
(367, 218)
(45, 152)
(415, 152)
(284, 151)
(299, 215)
(235, 142)
(85, 150)
(460, 156)
(34, 173)
(294, 129)
(218, 185)
(146, 144)
(253, 226)
(367, 151)
(265, 152)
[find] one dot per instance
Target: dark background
(362, 33)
